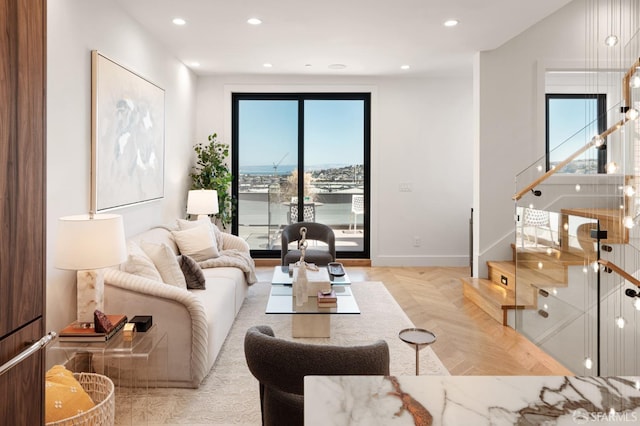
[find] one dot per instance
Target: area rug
(229, 394)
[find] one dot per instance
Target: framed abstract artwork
(127, 136)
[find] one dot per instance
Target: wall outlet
(404, 187)
(417, 241)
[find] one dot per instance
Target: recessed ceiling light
(337, 66)
(451, 23)
(179, 21)
(405, 67)
(254, 21)
(267, 65)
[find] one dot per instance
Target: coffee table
(281, 276)
(308, 320)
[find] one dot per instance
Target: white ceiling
(370, 37)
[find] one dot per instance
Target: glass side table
(133, 366)
(419, 338)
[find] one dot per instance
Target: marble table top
(471, 400)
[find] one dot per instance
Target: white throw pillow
(138, 263)
(165, 261)
(197, 242)
(217, 234)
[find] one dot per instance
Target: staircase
(550, 290)
(539, 269)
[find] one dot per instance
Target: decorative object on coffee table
(419, 338)
(300, 274)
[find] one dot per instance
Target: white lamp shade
(202, 201)
(86, 242)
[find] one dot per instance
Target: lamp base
(203, 217)
(90, 294)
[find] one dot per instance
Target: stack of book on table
(81, 332)
(327, 300)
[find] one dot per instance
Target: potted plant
(212, 172)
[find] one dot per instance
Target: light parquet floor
(469, 341)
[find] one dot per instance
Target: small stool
(418, 338)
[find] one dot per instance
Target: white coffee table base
(311, 325)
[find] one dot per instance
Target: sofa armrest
(133, 295)
(231, 241)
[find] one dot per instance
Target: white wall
(75, 27)
(511, 123)
(421, 133)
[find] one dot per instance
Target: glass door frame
(236, 97)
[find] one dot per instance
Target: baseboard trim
(420, 261)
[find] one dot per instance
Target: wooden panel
(22, 162)
(22, 206)
(22, 390)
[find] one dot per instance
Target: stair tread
(564, 258)
(530, 275)
(496, 294)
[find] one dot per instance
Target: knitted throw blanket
(234, 258)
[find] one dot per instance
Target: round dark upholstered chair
(315, 231)
(280, 366)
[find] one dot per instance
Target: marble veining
(471, 400)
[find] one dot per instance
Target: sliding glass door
(301, 157)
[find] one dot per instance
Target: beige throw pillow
(217, 234)
(165, 261)
(197, 242)
(138, 263)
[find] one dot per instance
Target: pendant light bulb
(632, 114)
(598, 140)
(611, 40)
(620, 322)
(612, 167)
(628, 222)
(635, 82)
(636, 304)
(588, 364)
(629, 191)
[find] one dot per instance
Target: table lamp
(88, 243)
(202, 202)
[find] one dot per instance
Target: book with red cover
(327, 298)
(76, 332)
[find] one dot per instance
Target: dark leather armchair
(315, 231)
(280, 366)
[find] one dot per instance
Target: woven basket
(100, 389)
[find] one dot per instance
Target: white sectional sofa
(196, 321)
